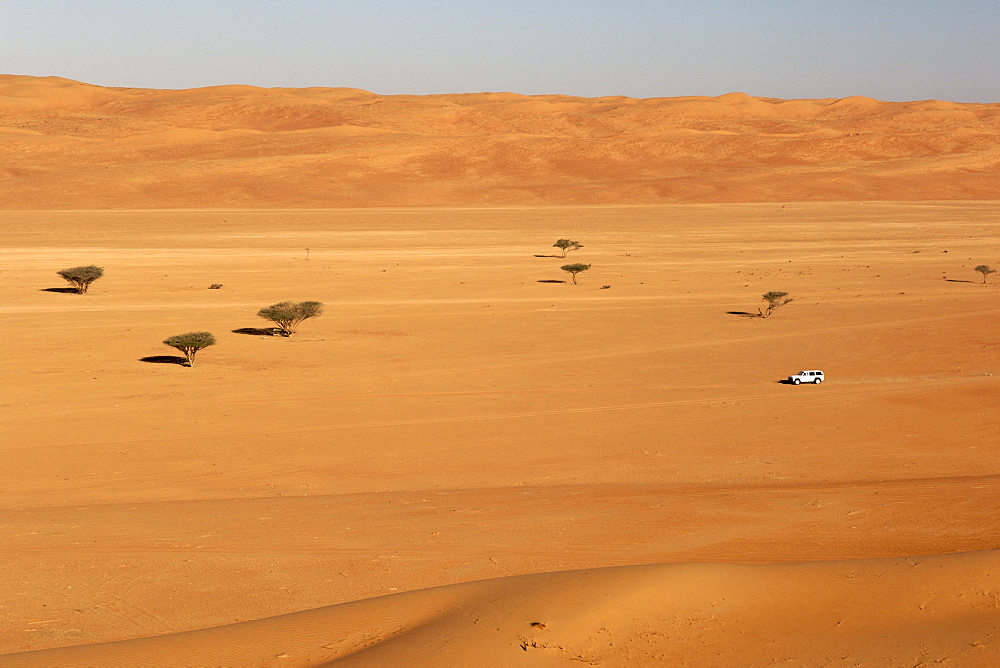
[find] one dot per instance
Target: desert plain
(468, 460)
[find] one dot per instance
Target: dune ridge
(73, 145)
(869, 612)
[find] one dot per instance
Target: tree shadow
(557, 256)
(65, 291)
(959, 280)
(744, 314)
(551, 280)
(164, 359)
(257, 331)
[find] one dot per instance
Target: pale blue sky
(887, 49)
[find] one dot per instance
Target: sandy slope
(917, 611)
(453, 418)
(67, 144)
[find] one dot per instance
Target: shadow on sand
(744, 314)
(164, 359)
(551, 280)
(65, 291)
(555, 256)
(958, 280)
(257, 331)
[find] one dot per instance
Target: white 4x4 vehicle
(816, 377)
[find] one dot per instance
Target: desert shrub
(81, 277)
(774, 300)
(190, 343)
(575, 269)
(288, 315)
(567, 245)
(985, 270)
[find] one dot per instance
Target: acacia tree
(190, 344)
(774, 300)
(575, 269)
(985, 270)
(288, 315)
(567, 245)
(81, 277)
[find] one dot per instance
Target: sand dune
(346, 147)
(466, 461)
(930, 610)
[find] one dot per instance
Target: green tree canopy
(985, 270)
(190, 343)
(575, 269)
(288, 315)
(774, 300)
(81, 277)
(567, 245)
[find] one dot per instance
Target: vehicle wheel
(817, 381)
(796, 381)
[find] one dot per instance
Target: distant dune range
(71, 145)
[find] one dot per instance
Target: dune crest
(348, 147)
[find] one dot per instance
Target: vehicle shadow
(164, 359)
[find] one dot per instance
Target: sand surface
(464, 462)
(454, 417)
(68, 144)
(914, 611)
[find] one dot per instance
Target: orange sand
(454, 418)
(73, 145)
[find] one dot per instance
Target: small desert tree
(288, 315)
(81, 277)
(190, 344)
(774, 300)
(985, 270)
(575, 269)
(567, 245)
